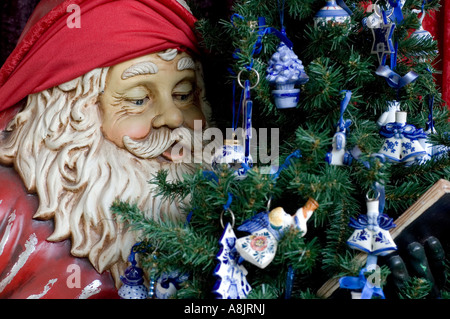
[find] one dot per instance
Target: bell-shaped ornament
(402, 143)
(332, 14)
(372, 231)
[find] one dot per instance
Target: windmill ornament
(267, 228)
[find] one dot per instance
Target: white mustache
(159, 141)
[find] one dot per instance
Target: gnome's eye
(183, 93)
(139, 102)
(184, 97)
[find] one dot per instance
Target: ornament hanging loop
(239, 78)
(378, 11)
(226, 208)
(232, 218)
(269, 203)
(376, 193)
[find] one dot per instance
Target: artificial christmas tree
(336, 57)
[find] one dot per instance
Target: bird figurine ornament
(267, 228)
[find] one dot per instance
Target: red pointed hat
(58, 44)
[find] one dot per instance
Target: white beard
(57, 147)
(115, 174)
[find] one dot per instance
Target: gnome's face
(145, 94)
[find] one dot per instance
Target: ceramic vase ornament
(371, 233)
(401, 143)
(331, 13)
(388, 116)
(421, 34)
(232, 154)
(339, 155)
(285, 70)
(267, 228)
(232, 281)
(133, 281)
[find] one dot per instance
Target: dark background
(13, 17)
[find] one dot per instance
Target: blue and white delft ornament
(168, 284)
(267, 228)
(232, 153)
(402, 141)
(285, 70)
(232, 281)
(388, 116)
(382, 40)
(433, 151)
(331, 13)
(371, 233)
(133, 281)
(421, 33)
(339, 155)
(376, 18)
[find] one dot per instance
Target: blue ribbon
(430, 122)
(342, 4)
(393, 79)
(287, 162)
(248, 118)
(228, 203)
(344, 125)
(402, 130)
(396, 4)
(289, 283)
(361, 283)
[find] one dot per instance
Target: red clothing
(31, 266)
(53, 50)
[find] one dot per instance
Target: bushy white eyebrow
(186, 63)
(141, 68)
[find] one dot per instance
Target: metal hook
(268, 203)
(239, 78)
(232, 218)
